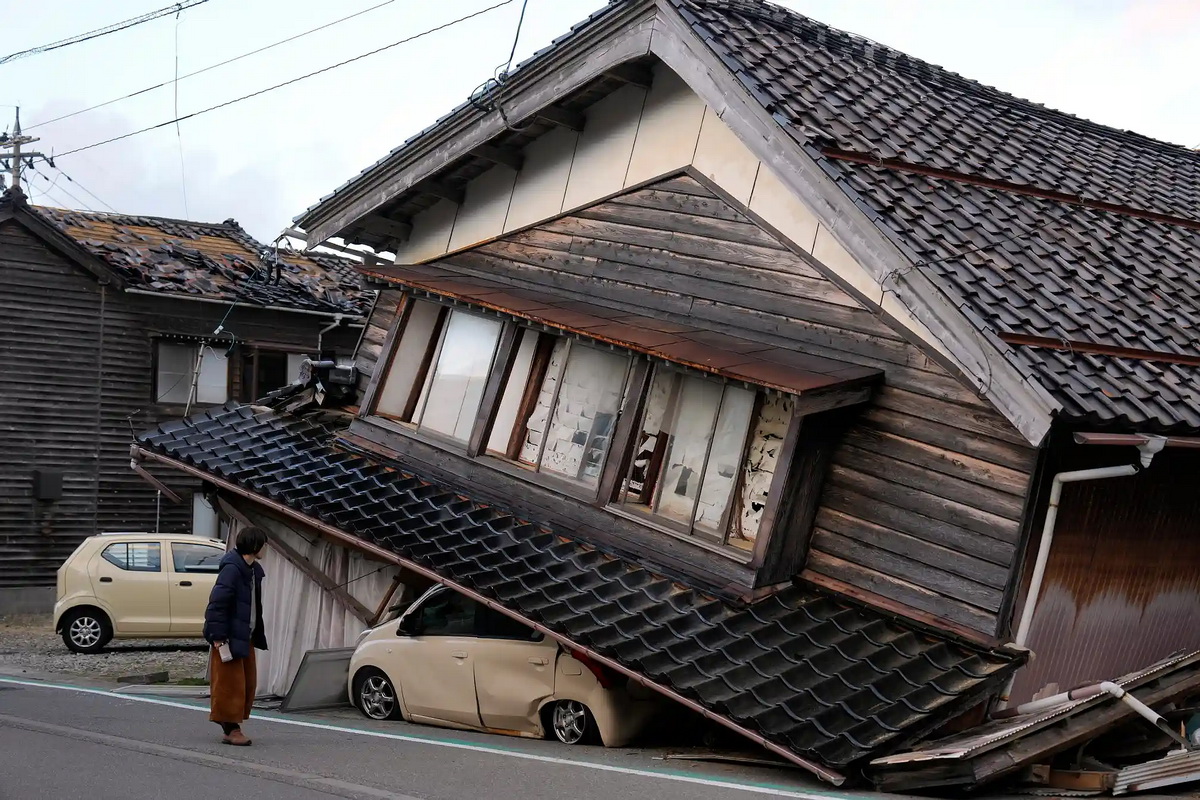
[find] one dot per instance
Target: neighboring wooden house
(105, 318)
(778, 313)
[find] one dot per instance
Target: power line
(83, 188)
(181, 6)
(289, 82)
(214, 66)
(79, 203)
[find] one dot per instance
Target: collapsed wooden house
(748, 356)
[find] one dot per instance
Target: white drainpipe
(1148, 450)
(337, 320)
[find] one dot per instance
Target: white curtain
(300, 615)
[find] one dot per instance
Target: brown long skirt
(231, 686)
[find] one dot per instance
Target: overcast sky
(1133, 64)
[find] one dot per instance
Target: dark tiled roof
(1016, 263)
(712, 351)
(832, 681)
(214, 261)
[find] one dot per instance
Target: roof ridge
(884, 55)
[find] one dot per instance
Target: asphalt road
(60, 743)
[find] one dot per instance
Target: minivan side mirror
(410, 625)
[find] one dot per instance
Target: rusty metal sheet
(1171, 770)
(1122, 588)
(707, 350)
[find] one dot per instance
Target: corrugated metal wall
(1122, 586)
(77, 377)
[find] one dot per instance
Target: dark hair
(250, 541)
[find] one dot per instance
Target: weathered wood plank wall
(79, 381)
(924, 499)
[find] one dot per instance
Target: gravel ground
(29, 644)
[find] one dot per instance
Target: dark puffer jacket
(227, 618)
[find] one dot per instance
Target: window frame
(193, 344)
(125, 567)
(218, 552)
(603, 496)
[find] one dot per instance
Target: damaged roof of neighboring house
(1071, 246)
(1074, 243)
(213, 261)
(821, 679)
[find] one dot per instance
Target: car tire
(570, 722)
(375, 695)
(86, 630)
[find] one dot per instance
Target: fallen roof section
(1000, 748)
(712, 351)
(815, 677)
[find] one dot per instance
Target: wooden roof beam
(390, 229)
(557, 115)
(505, 156)
(439, 189)
(634, 74)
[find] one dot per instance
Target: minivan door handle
(185, 583)
(459, 654)
(539, 662)
(106, 579)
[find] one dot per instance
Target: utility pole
(11, 156)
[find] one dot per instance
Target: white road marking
(764, 789)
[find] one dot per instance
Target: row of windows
(147, 557)
(263, 371)
(690, 467)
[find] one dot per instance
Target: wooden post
(387, 600)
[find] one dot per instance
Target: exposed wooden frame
(440, 190)
(489, 404)
(384, 364)
(620, 450)
(571, 120)
(360, 611)
(390, 229)
(382, 608)
(533, 388)
(505, 156)
(632, 73)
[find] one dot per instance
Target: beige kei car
(452, 662)
(135, 586)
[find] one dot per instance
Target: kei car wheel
(571, 722)
(375, 695)
(86, 631)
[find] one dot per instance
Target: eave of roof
(706, 350)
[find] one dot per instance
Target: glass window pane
(652, 438)
(175, 365)
(410, 352)
(448, 614)
(539, 418)
(691, 429)
(724, 458)
(213, 383)
(456, 386)
(117, 555)
(514, 391)
(196, 557)
(585, 413)
(761, 464)
(144, 557)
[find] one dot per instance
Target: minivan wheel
(571, 722)
(375, 695)
(86, 630)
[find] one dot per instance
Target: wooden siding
(924, 498)
(370, 346)
(80, 376)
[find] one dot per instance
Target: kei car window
(134, 556)
(196, 557)
(494, 625)
(448, 614)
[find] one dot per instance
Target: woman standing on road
(233, 625)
